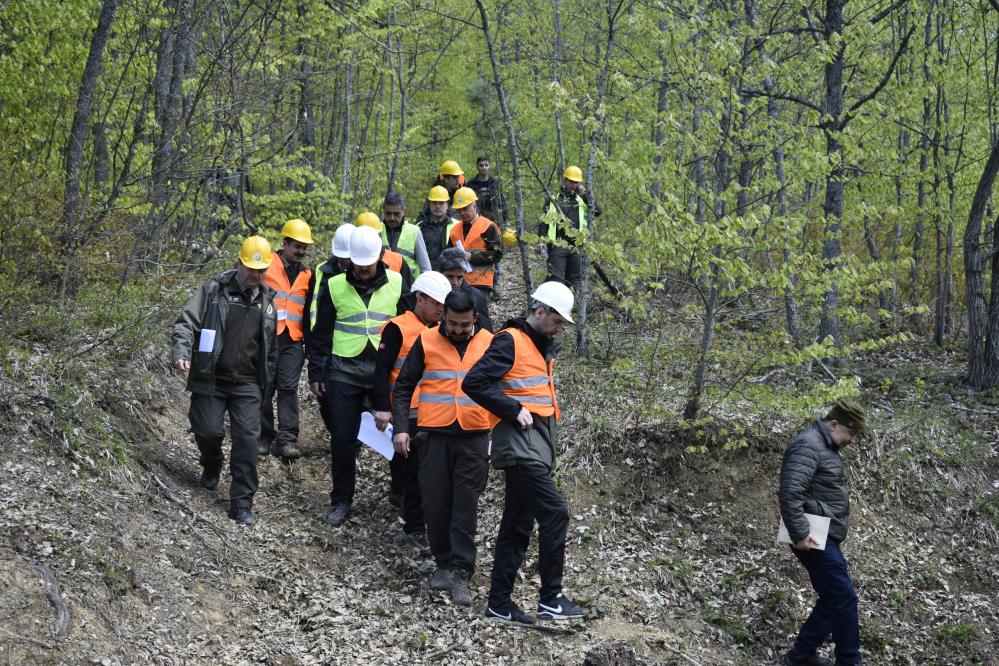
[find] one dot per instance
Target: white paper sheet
(370, 435)
(817, 525)
(206, 342)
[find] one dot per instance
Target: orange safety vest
(411, 326)
(530, 380)
(290, 298)
(392, 260)
(481, 276)
(442, 402)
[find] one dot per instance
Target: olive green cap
(849, 413)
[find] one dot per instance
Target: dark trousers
(404, 472)
(344, 404)
(565, 265)
(290, 359)
(453, 474)
(207, 415)
(835, 611)
(531, 496)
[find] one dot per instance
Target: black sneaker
(509, 613)
(560, 608)
(263, 448)
(337, 514)
(287, 451)
(441, 580)
(419, 541)
(459, 588)
(209, 479)
(242, 516)
(790, 659)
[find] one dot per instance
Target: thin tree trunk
(348, 148)
(556, 65)
(78, 133)
(511, 137)
(983, 320)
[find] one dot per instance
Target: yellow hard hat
(509, 237)
(297, 230)
(573, 173)
(451, 168)
(464, 196)
(438, 193)
(368, 219)
(255, 253)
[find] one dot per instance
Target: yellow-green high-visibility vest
(555, 215)
(406, 246)
(357, 324)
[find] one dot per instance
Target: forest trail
(676, 550)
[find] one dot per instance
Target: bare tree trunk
(983, 320)
(511, 138)
(72, 199)
(833, 205)
(596, 138)
(348, 148)
(556, 65)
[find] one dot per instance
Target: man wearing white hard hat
(514, 381)
(454, 457)
(429, 291)
(343, 352)
(338, 262)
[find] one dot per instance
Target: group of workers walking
(396, 323)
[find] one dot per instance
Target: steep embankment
(99, 479)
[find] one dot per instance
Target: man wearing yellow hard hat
(289, 278)
(569, 208)
(450, 176)
(480, 239)
(225, 341)
(435, 223)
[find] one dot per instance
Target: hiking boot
(287, 451)
(337, 514)
(242, 516)
(209, 479)
(791, 659)
(509, 612)
(459, 588)
(560, 608)
(263, 448)
(441, 580)
(419, 541)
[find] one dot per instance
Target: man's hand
(318, 388)
(807, 543)
(382, 420)
(182, 365)
(400, 442)
(524, 419)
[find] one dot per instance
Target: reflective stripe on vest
(481, 276)
(530, 380)
(410, 326)
(356, 324)
(442, 402)
(289, 299)
(555, 215)
(405, 245)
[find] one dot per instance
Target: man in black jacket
(514, 381)
(811, 481)
(452, 264)
(226, 339)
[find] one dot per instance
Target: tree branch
(882, 83)
(756, 92)
(890, 8)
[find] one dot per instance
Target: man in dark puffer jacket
(811, 481)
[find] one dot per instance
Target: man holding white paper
(225, 340)
(811, 484)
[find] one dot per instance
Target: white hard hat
(341, 240)
(433, 284)
(557, 296)
(365, 246)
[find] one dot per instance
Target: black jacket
(811, 481)
(208, 309)
(490, 196)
